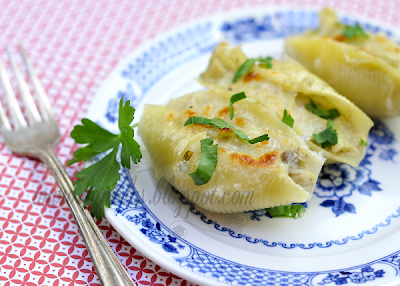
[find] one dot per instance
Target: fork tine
(45, 106)
(31, 110)
(3, 119)
(16, 114)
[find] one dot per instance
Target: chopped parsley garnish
(197, 120)
(208, 157)
(258, 139)
(354, 31)
(286, 211)
(327, 137)
(363, 143)
(330, 124)
(287, 119)
(220, 124)
(248, 64)
(208, 162)
(322, 112)
(266, 61)
(234, 98)
(101, 177)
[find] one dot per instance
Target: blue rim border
(346, 20)
(218, 264)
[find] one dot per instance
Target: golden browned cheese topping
(223, 111)
(170, 117)
(261, 144)
(241, 122)
(225, 129)
(340, 38)
(207, 110)
(264, 161)
(188, 113)
(381, 39)
(252, 76)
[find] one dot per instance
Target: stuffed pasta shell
(361, 66)
(248, 176)
(286, 85)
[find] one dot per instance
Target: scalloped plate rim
(152, 253)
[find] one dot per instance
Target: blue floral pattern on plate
(337, 183)
(154, 233)
(126, 199)
(366, 274)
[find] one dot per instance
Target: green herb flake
(287, 119)
(197, 120)
(322, 112)
(234, 98)
(354, 31)
(266, 61)
(327, 137)
(101, 177)
(244, 69)
(363, 143)
(258, 139)
(330, 124)
(248, 64)
(221, 124)
(208, 162)
(286, 211)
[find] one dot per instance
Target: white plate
(350, 233)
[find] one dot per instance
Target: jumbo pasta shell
(372, 84)
(288, 85)
(280, 171)
(365, 70)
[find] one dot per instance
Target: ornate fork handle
(107, 265)
(36, 138)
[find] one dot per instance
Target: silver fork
(36, 138)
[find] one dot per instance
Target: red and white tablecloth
(74, 45)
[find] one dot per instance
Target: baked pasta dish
(256, 138)
(361, 66)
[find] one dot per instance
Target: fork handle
(108, 267)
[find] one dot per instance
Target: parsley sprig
(287, 119)
(207, 164)
(234, 98)
(293, 211)
(209, 152)
(322, 112)
(248, 64)
(221, 124)
(327, 137)
(101, 177)
(351, 32)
